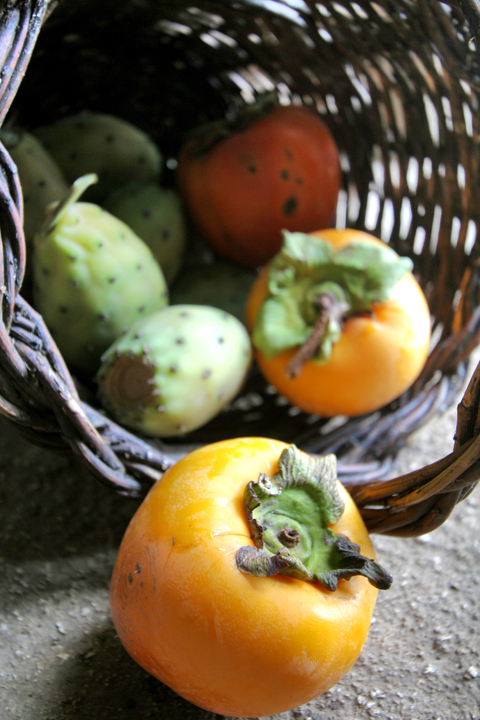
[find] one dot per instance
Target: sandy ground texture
(60, 658)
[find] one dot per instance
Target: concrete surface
(60, 658)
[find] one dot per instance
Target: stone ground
(60, 658)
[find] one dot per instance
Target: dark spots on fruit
(173, 369)
(141, 309)
(206, 374)
(100, 245)
(161, 408)
(122, 236)
(26, 199)
(141, 159)
(73, 258)
(146, 350)
(290, 205)
(165, 234)
(41, 183)
(299, 180)
(180, 341)
(221, 340)
(81, 125)
(184, 313)
(104, 316)
(288, 153)
(139, 267)
(146, 213)
(109, 138)
(138, 335)
(45, 271)
(73, 156)
(252, 169)
(284, 174)
(112, 280)
(63, 309)
(181, 427)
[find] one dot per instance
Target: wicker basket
(398, 83)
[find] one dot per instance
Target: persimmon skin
(282, 172)
(231, 643)
(377, 358)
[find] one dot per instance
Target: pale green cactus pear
(41, 179)
(157, 215)
(42, 183)
(93, 278)
(220, 283)
(175, 370)
(112, 148)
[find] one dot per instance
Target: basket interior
(398, 85)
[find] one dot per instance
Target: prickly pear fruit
(112, 148)
(156, 214)
(221, 283)
(174, 370)
(42, 183)
(93, 277)
(41, 179)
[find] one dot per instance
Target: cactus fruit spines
(91, 142)
(220, 283)
(156, 214)
(93, 277)
(175, 370)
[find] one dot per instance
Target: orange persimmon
(281, 170)
(377, 353)
(232, 642)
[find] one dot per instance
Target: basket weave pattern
(398, 83)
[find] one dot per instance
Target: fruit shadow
(104, 683)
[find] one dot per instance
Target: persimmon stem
(331, 309)
(290, 516)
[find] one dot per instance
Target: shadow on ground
(57, 511)
(91, 682)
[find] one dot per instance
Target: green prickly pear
(112, 148)
(93, 278)
(42, 183)
(221, 283)
(175, 370)
(156, 214)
